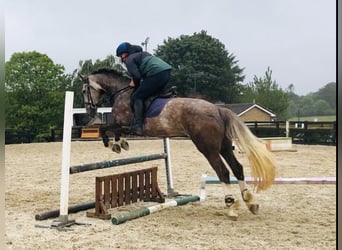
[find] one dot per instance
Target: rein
(121, 90)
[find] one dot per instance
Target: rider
(150, 75)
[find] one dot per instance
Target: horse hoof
(232, 215)
(124, 145)
(116, 148)
(106, 144)
(254, 208)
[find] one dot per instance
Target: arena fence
(320, 133)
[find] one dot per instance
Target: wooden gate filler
(122, 189)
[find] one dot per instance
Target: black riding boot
(136, 127)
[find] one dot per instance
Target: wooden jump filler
(90, 132)
(122, 189)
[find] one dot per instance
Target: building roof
(241, 108)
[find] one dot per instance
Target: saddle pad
(156, 107)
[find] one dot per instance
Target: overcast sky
(295, 38)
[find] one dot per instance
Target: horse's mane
(111, 72)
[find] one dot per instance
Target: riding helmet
(123, 48)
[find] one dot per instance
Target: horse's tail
(261, 160)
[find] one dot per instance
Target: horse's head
(92, 94)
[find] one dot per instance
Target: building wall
(256, 114)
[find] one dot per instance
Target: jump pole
(278, 180)
(72, 209)
(119, 162)
(116, 220)
(113, 163)
(64, 195)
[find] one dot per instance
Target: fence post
(334, 133)
(66, 150)
(53, 135)
(305, 132)
(287, 128)
(168, 166)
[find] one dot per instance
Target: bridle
(90, 100)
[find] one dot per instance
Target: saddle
(167, 92)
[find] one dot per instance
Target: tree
(202, 65)
(322, 107)
(34, 92)
(306, 105)
(322, 102)
(328, 94)
(266, 92)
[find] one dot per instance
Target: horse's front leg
(105, 138)
(105, 130)
(123, 143)
(115, 144)
(118, 141)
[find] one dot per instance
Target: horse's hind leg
(224, 176)
(211, 152)
(236, 167)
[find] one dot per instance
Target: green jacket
(142, 64)
(152, 65)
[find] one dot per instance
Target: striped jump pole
(278, 180)
(116, 220)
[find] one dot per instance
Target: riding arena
(174, 213)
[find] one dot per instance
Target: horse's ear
(81, 77)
